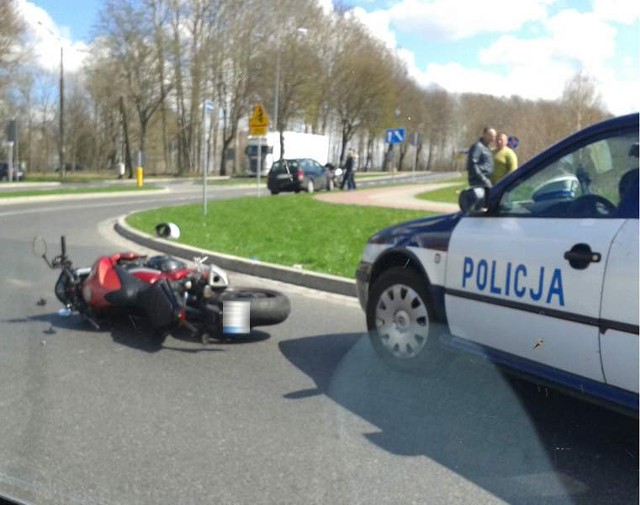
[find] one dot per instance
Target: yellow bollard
(139, 177)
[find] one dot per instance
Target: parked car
(302, 174)
(538, 274)
(18, 173)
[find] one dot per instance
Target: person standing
(505, 160)
(480, 159)
(351, 183)
(348, 170)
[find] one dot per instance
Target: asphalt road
(305, 413)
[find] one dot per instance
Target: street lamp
(61, 119)
(9, 145)
(61, 114)
(276, 99)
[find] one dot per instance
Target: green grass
(70, 177)
(75, 191)
(448, 194)
(233, 181)
(289, 230)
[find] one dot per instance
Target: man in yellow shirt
(505, 160)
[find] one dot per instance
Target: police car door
(525, 280)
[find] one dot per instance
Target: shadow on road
(521, 442)
(134, 333)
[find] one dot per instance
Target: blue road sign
(395, 136)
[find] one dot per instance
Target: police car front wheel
(400, 321)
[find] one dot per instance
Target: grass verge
(445, 195)
(75, 191)
(286, 230)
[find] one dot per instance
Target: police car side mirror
(473, 200)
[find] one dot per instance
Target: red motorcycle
(165, 291)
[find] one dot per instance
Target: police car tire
(412, 354)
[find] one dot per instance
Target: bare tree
(362, 81)
(582, 101)
(127, 28)
(11, 31)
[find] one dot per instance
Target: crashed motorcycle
(164, 291)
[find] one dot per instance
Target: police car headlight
(377, 239)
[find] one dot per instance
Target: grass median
(74, 191)
(287, 230)
(448, 194)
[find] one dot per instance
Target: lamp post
(276, 99)
(9, 145)
(61, 113)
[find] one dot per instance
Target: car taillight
(300, 175)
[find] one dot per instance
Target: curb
(321, 282)
(78, 197)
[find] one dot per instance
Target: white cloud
(584, 37)
(546, 82)
(378, 23)
(618, 11)
(447, 20)
(326, 6)
(534, 68)
(47, 38)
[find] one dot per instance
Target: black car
(297, 175)
(18, 173)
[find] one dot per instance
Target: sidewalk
(399, 197)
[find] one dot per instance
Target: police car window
(594, 181)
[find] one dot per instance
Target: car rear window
(284, 166)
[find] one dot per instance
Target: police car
(539, 274)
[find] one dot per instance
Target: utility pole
(61, 126)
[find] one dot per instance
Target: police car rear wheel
(400, 321)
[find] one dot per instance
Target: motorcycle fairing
(160, 305)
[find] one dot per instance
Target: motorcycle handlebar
(63, 246)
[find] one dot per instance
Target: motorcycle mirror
(39, 247)
(168, 230)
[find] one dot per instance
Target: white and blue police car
(539, 274)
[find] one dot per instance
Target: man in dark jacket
(348, 177)
(480, 159)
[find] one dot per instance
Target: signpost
(258, 124)
(395, 136)
(207, 107)
(415, 158)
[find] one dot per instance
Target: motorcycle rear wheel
(267, 307)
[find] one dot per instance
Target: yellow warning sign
(259, 118)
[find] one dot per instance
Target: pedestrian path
(399, 197)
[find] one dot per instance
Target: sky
(529, 48)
